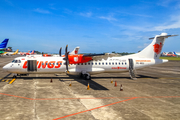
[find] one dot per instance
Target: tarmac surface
(155, 95)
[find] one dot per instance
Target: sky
(96, 26)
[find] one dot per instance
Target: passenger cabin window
(119, 63)
(112, 63)
(88, 63)
(106, 63)
(92, 63)
(42, 63)
(95, 63)
(99, 63)
(116, 63)
(125, 63)
(102, 63)
(85, 63)
(81, 63)
(122, 63)
(109, 63)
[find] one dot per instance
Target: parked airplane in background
(27, 53)
(11, 53)
(74, 52)
(4, 44)
(177, 53)
(86, 65)
(169, 54)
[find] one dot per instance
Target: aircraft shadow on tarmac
(137, 76)
(93, 85)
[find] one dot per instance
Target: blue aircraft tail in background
(175, 53)
(4, 44)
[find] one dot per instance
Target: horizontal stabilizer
(161, 36)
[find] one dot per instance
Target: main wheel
(88, 77)
(84, 76)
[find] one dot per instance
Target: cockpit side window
(16, 61)
(13, 61)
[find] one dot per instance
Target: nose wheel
(14, 76)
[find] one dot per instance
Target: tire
(88, 77)
(85, 76)
(81, 75)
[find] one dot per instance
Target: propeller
(60, 51)
(66, 58)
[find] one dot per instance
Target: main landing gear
(85, 76)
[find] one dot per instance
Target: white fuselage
(57, 65)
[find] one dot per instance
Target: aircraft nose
(5, 68)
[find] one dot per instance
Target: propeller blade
(67, 59)
(66, 48)
(60, 51)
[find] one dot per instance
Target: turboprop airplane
(86, 65)
(11, 53)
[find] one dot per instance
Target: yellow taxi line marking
(12, 80)
(7, 80)
(2, 80)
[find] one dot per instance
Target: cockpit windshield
(16, 61)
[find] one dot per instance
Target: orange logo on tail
(157, 48)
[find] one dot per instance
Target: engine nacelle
(76, 59)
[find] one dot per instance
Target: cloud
(42, 11)
(143, 46)
(87, 36)
(88, 14)
(166, 3)
(140, 15)
(9, 2)
(67, 11)
(109, 18)
(172, 24)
